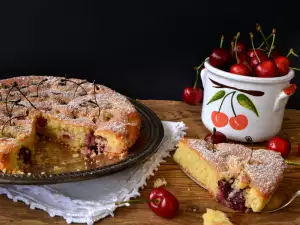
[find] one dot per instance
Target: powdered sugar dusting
(71, 100)
(264, 170)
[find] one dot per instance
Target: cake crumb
(160, 182)
(42, 173)
(4, 170)
(76, 155)
(28, 174)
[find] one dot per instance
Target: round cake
(87, 117)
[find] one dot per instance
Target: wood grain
(193, 199)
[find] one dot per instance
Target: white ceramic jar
(241, 106)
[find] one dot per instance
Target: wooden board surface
(193, 199)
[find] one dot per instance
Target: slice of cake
(215, 217)
(234, 175)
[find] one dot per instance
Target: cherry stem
(292, 163)
(197, 74)
(258, 28)
(251, 36)
(235, 49)
(273, 33)
(232, 103)
(294, 68)
(291, 52)
(224, 99)
(262, 44)
(222, 40)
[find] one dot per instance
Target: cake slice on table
(234, 175)
(215, 217)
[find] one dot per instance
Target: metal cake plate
(55, 163)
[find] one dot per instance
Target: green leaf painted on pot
(220, 94)
(246, 102)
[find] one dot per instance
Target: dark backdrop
(144, 49)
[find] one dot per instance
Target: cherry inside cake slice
(236, 176)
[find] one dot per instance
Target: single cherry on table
(163, 203)
(192, 95)
(279, 144)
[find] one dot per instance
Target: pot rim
(232, 76)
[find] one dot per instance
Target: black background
(144, 49)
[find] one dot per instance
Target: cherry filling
(101, 143)
(231, 197)
(25, 155)
(41, 122)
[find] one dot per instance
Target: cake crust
(82, 114)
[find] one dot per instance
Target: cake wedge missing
(233, 175)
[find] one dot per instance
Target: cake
(234, 175)
(215, 217)
(87, 117)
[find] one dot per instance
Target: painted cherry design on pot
(238, 122)
(219, 119)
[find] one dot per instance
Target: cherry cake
(89, 118)
(237, 177)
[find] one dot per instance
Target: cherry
(251, 52)
(163, 203)
(279, 144)
(219, 57)
(193, 95)
(240, 48)
(238, 122)
(216, 137)
(219, 119)
(299, 148)
(258, 56)
(240, 69)
(275, 53)
(254, 61)
(244, 58)
(283, 64)
(267, 69)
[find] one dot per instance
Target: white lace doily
(91, 200)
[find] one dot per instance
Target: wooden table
(193, 199)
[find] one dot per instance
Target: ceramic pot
(241, 106)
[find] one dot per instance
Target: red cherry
(279, 144)
(275, 53)
(299, 148)
(238, 122)
(283, 64)
(244, 58)
(219, 57)
(163, 203)
(240, 69)
(240, 47)
(254, 61)
(251, 52)
(192, 96)
(219, 119)
(267, 69)
(216, 137)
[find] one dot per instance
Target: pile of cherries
(264, 61)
